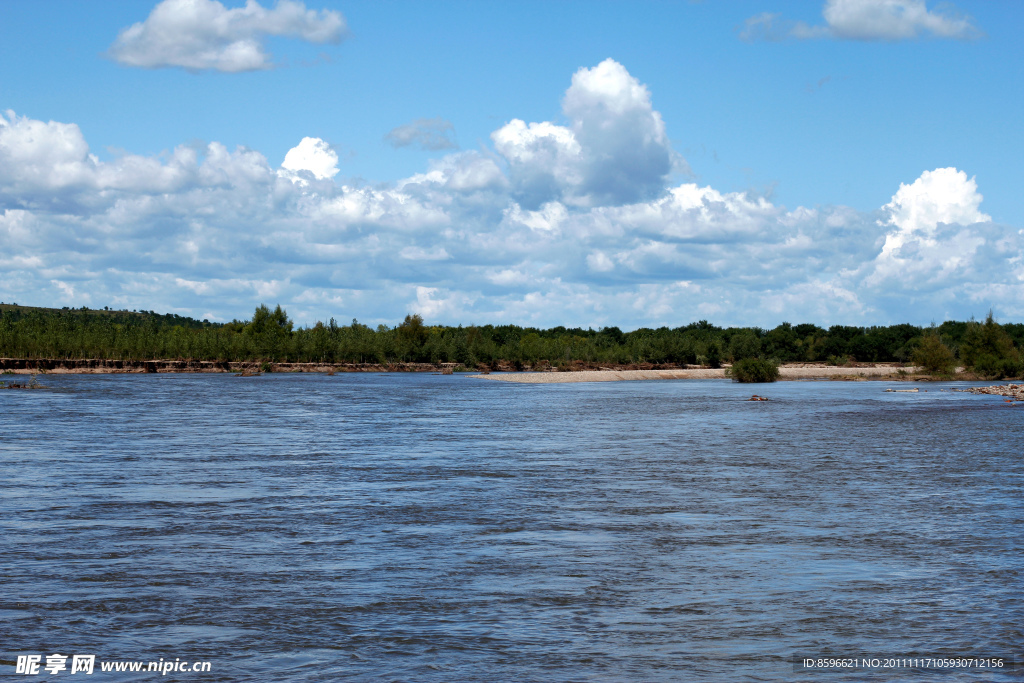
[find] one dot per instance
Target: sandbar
(786, 372)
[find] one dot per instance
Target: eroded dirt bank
(99, 365)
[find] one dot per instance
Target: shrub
(934, 356)
(754, 370)
(992, 367)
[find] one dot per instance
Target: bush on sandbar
(754, 370)
(934, 356)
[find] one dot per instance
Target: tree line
(271, 336)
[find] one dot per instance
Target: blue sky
(748, 171)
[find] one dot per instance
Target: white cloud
(430, 134)
(944, 195)
(548, 218)
(599, 262)
(47, 163)
(34, 154)
(543, 159)
(385, 208)
(614, 151)
(893, 20)
(421, 254)
(67, 291)
(209, 231)
(313, 155)
(465, 172)
(205, 35)
(433, 303)
(867, 20)
(925, 246)
(689, 212)
(508, 278)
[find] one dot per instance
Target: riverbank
(794, 371)
(576, 371)
(28, 366)
(501, 371)
(1012, 391)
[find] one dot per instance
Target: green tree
(988, 350)
(934, 356)
(270, 332)
(411, 339)
(744, 345)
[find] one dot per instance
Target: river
(418, 527)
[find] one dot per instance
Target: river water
(416, 527)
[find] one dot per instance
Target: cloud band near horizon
(574, 223)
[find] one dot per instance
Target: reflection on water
(431, 528)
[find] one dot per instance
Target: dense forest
(987, 346)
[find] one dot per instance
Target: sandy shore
(801, 371)
(791, 371)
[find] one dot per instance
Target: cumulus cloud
(944, 195)
(313, 155)
(48, 164)
(888, 20)
(430, 134)
(203, 35)
(38, 155)
(613, 151)
(468, 171)
(937, 230)
(205, 230)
